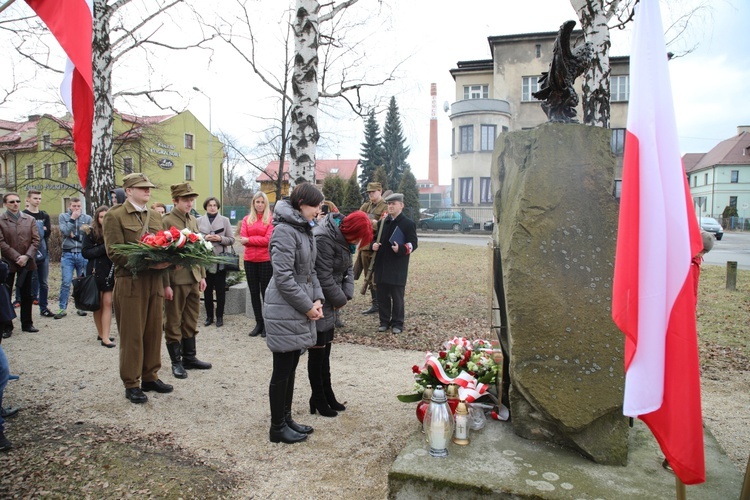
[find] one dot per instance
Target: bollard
(731, 275)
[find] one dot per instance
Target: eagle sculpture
(556, 85)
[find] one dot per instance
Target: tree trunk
(102, 172)
(305, 88)
(594, 16)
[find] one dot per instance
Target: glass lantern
(438, 423)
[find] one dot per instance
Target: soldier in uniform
(375, 208)
(138, 301)
(183, 291)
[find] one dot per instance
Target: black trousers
(391, 305)
(258, 276)
(284, 364)
(27, 299)
(215, 281)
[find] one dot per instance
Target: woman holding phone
(217, 229)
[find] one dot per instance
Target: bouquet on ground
(178, 247)
(472, 365)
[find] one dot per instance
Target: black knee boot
(189, 360)
(280, 432)
(374, 305)
(326, 372)
(175, 354)
(315, 374)
(302, 429)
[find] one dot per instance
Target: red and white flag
(653, 302)
(71, 23)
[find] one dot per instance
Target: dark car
(489, 225)
(456, 221)
(712, 226)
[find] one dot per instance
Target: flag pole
(681, 493)
(6, 5)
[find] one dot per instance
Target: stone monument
(555, 243)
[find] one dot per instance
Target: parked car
(456, 221)
(712, 226)
(488, 225)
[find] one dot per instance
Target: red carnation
(174, 232)
(193, 237)
(462, 362)
(442, 354)
(415, 369)
(161, 240)
(467, 355)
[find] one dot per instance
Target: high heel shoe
(322, 408)
(110, 345)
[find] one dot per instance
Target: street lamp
(210, 146)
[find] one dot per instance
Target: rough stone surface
(556, 235)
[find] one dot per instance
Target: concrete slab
(499, 464)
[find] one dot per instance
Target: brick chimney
(433, 172)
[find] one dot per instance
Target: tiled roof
(733, 151)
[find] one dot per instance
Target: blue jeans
(70, 261)
(4, 373)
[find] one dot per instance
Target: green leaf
(409, 398)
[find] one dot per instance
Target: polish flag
(653, 301)
(71, 23)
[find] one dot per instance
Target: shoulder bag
(86, 293)
(232, 260)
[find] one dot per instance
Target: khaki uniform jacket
(183, 276)
(375, 211)
(18, 238)
(124, 224)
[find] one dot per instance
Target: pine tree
(408, 187)
(382, 177)
(353, 196)
(371, 155)
(394, 146)
(333, 189)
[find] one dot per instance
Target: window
(735, 176)
(485, 190)
(489, 133)
(619, 88)
(189, 173)
(127, 166)
(618, 188)
(29, 171)
(695, 180)
(476, 91)
(63, 169)
(618, 141)
(188, 141)
(453, 141)
(538, 50)
(467, 189)
(530, 84)
(505, 129)
(467, 138)
(46, 142)
(47, 171)
(705, 179)
(733, 202)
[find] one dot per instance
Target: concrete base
(499, 464)
(235, 301)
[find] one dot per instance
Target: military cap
(136, 180)
(374, 186)
(182, 190)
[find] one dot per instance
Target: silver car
(712, 226)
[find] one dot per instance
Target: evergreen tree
(408, 187)
(353, 196)
(333, 189)
(382, 177)
(394, 146)
(371, 156)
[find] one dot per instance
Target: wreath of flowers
(178, 247)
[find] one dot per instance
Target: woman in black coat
(103, 270)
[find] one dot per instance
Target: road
(732, 247)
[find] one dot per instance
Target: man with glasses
(19, 239)
(138, 301)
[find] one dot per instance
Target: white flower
(208, 245)
(186, 232)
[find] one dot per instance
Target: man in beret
(183, 291)
(376, 208)
(398, 239)
(138, 300)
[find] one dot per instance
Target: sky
(424, 40)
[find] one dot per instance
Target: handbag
(232, 260)
(86, 293)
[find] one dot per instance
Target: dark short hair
(210, 199)
(305, 194)
(12, 193)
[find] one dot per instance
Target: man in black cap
(376, 208)
(183, 291)
(138, 301)
(398, 239)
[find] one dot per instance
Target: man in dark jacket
(398, 240)
(19, 239)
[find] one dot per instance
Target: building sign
(52, 186)
(165, 163)
(165, 149)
